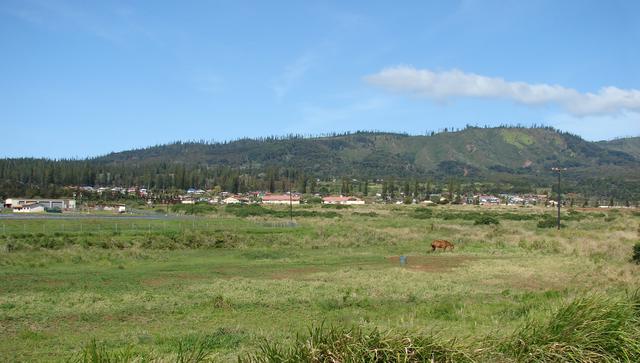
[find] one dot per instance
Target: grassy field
(218, 285)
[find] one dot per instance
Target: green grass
(221, 286)
(594, 328)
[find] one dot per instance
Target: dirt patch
(432, 263)
(172, 278)
(294, 273)
(155, 282)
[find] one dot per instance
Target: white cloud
(599, 127)
(292, 74)
(441, 86)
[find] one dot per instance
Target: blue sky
(83, 78)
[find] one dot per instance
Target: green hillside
(473, 152)
(629, 145)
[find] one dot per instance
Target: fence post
(116, 227)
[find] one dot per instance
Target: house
(342, 200)
(28, 208)
(489, 200)
(195, 191)
(231, 200)
(62, 204)
(280, 199)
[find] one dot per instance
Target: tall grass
(187, 351)
(589, 329)
(96, 352)
(594, 328)
(339, 344)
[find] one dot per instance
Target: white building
(280, 199)
(488, 200)
(342, 200)
(28, 208)
(231, 200)
(62, 204)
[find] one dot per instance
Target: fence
(123, 226)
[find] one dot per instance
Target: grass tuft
(338, 344)
(588, 329)
(98, 352)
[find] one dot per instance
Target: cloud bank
(441, 86)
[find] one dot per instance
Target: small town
(142, 196)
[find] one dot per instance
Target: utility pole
(559, 171)
(290, 198)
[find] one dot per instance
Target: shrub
(548, 221)
(365, 214)
(636, 253)
(256, 210)
(197, 209)
(422, 213)
(486, 219)
(313, 200)
(336, 206)
(251, 210)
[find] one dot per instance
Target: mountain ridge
(507, 158)
(501, 149)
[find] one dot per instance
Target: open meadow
(243, 282)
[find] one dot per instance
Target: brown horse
(440, 243)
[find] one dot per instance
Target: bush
(256, 210)
(486, 219)
(422, 213)
(549, 221)
(251, 210)
(336, 206)
(365, 214)
(198, 208)
(313, 200)
(636, 253)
